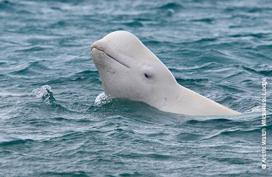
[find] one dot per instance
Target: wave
(235, 132)
(191, 80)
(7, 5)
(45, 93)
(33, 68)
(262, 70)
(205, 66)
(171, 6)
(204, 20)
(16, 142)
(33, 49)
(211, 121)
(140, 155)
(246, 9)
(185, 137)
(233, 160)
(66, 173)
(255, 35)
(90, 76)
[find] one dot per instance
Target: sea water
(55, 120)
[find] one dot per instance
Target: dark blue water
(50, 125)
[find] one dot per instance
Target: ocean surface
(51, 125)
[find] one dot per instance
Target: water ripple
(221, 49)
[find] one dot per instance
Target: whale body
(129, 70)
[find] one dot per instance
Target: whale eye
(147, 75)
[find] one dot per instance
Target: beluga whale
(129, 70)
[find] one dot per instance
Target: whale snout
(101, 51)
(98, 45)
(96, 49)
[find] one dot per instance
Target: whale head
(129, 70)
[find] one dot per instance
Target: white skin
(129, 70)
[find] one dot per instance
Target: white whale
(129, 70)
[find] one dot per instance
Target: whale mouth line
(108, 55)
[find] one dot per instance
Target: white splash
(45, 93)
(102, 99)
